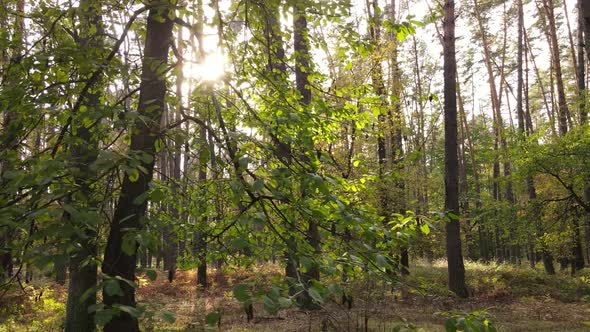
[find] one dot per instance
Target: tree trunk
(583, 113)
(377, 80)
(119, 260)
(453, 243)
(500, 138)
(396, 154)
(562, 103)
(302, 70)
(464, 185)
(12, 125)
(539, 80)
(167, 174)
(83, 153)
(201, 234)
(583, 22)
(584, 10)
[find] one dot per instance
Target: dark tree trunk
(60, 270)
(544, 254)
(520, 91)
(464, 185)
(577, 250)
(397, 149)
(302, 70)
(201, 238)
(556, 59)
(202, 255)
(277, 71)
(11, 126)
(584, 7)
(167, 170)
(83, 270)
(131, 208)
(453, 242)
(584, 29)
(499, 137)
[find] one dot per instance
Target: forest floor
(514, 299)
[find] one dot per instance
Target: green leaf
(335, 289)
(269, 305)
(315, 294)
(112, 287)
(451, 325)
(452, 216)
(244, 161)
(212, 319)
(158, 145)
(151, 274)
(141, 198)
(239, 243)
(382, 261)
(129, 244)
(258, 185)
(146, 158)
(168, 317)
(102, 317)
(285, 302)
(425, 229)
(241, 293)
(134, 312)
(133, 174)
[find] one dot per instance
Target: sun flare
(211, 69)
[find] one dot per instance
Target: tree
(83, 153)
(556, 61)
(302, 83)
(453, 243)
(121, 250)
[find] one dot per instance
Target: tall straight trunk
(11, 124)
(556, 60)
(421, 142)
(277, 70)
(514, 248)
(521, 120)
(583, 29)
(483, 243)
(540, 81)
(570, 39)
(584, 10)
(166, 169)
(397, 149)
(519, 71)
(500, 138)
(577, 250)
(378, 83)
(83, 272)
(464, 185)
(456, 268)
(546, 256)
(581, 69)
(200, 237)
(170, 246)
(584, 43)
(379, 87)
(302, 70)
(132, 204)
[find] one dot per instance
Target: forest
(294, 165)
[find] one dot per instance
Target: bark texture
(132, 204)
